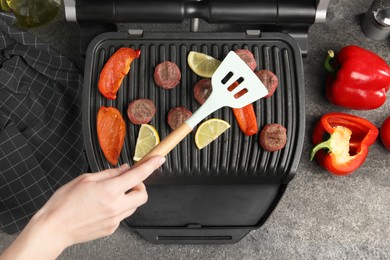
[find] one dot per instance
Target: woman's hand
(89, 207)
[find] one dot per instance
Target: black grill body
(220, 193)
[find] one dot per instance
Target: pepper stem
(327, 65)
(323, 145)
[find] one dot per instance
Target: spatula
(234, 85)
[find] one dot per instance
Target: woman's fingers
(132, 200)
(138, 188)
(137, 174)
(126, 214)
(109, 173)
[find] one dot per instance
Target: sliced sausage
(177, 116)
(167, 75)
(202, 90)
(269, 79)
(273, 137)
(141, 111)
(248, 57)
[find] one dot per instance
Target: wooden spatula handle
(167, 144)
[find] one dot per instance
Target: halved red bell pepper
(114, 71)
(347, 147)
(358, 78)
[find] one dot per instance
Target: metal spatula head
(234, 84)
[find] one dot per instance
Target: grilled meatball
(248, 57)
(141, 111)
(269, 79)
(202, 90)
(273, 137)
(177, 116)
(167, 75)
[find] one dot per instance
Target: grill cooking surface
(233, 157)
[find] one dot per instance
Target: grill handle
(193, 235)
(212, 11)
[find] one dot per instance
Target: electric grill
(220, 193)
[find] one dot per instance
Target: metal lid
(382, 16)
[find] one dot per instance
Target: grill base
(204, 214)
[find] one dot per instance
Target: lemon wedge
(147, 139)
(202, 64)
(209, 130)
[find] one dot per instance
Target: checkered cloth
(41, 143)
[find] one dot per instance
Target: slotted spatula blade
(234, 84)
(234, 69)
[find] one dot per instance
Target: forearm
(39, 240)
(88, 207)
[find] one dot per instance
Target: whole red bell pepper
(358, 78)
(347, 148)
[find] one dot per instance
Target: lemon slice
(209, 130)
(202, 64)
(147, 139)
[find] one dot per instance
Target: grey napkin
(41, 142)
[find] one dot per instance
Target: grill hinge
(253, 33)
(138, 33)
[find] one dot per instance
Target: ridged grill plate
(233, 157)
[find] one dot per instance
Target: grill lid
(212, 11)
(292, 17)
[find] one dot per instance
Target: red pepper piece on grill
(348, 145)
(245, 116)
(114, 71)
(246, 119)
(111, 131)
(358, 78)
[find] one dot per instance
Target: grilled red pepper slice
(245, 116)
(347, 147)
(114, 71)
(246, 119)
(358, 78)
(111, 131)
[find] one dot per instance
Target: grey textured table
(320, 216)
